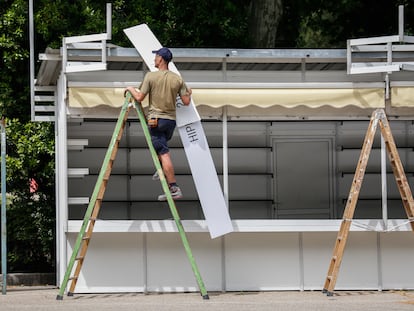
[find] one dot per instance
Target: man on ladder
(163, 86)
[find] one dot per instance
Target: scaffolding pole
(3, 208)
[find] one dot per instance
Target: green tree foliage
(13, 62)
(194, 23)
(30, 215)
(328, 24)
(30, 222)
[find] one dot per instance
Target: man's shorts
(161, 134)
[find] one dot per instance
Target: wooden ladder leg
(336, 259)
(343, 233)
(84, 248)
(398, 170)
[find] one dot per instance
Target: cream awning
(402, 97)
(365, 98)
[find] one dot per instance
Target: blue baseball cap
(165, 53)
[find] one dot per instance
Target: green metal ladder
(91, 214)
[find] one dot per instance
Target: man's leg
(160, 136)
(167, 167)
(168, 170)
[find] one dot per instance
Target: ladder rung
(86, 238)
(73, 278)
(79, 258)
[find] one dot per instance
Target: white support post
(61, 159)
(389, 53)
(348, 56)
(387, 85)
(3, 208)
(109, 21)
(225, 159)
(103, 59)
(31, 43)
(384, 184)
(226, 196)
(64, 55)
(401, 22)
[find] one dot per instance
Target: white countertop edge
(245, 225)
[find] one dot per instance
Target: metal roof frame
(208, 59)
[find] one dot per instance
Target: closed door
(303, 179)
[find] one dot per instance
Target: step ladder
(82, 242)
(378, 117)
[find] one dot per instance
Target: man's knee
(160, 146)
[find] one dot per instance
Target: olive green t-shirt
(162, 87)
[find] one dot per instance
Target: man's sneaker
(156, 176)
(175, 193)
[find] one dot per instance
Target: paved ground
(44, 299)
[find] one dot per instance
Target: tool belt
(153, 122)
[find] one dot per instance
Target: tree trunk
(263, 22)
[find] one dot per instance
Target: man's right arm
(137, 95)
(186, 98)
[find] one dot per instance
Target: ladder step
(73, 278)
(86, 238)
(80, 258)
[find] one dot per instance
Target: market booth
(285, 129)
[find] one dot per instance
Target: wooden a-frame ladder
(82, 242)
(378, 117)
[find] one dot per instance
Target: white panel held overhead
(194, 142)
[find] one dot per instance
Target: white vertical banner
(194, 141)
